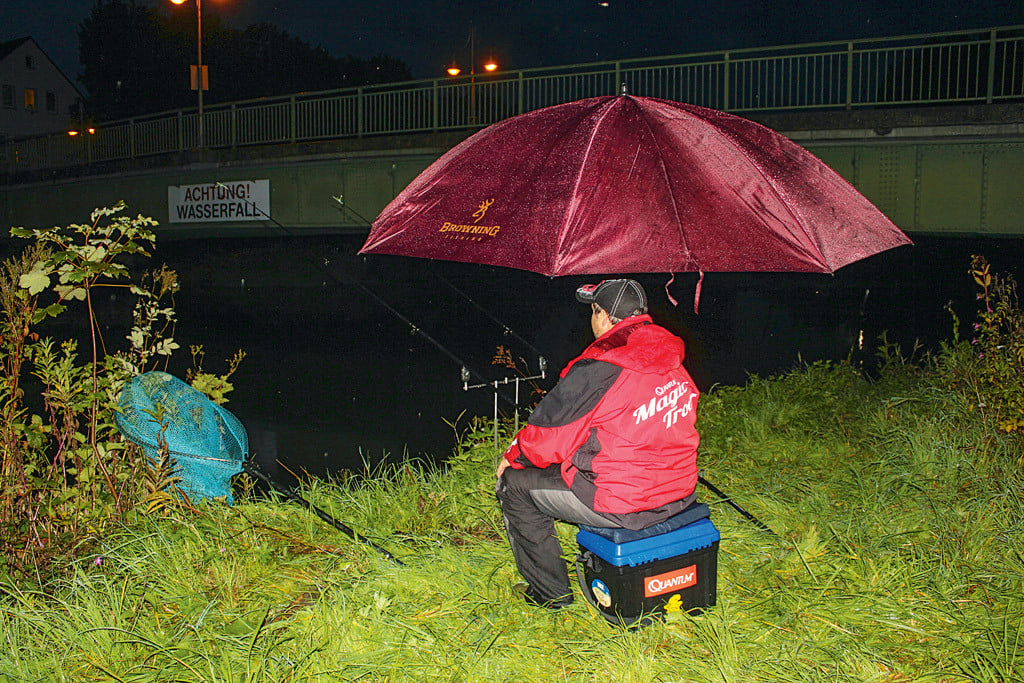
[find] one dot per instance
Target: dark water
(334, 378)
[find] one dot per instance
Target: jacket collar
(612, 339)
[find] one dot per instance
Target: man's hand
(502, 466)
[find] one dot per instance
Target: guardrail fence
(963, 67)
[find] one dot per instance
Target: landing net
(206, 443)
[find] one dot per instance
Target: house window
(8, 95)
(30, 98)
(28, 61)
(51, 103)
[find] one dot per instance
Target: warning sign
(235, 200)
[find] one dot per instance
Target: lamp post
(199, 79)
(454, 70)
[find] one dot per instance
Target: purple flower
(98, 562)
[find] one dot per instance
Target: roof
(12, 45)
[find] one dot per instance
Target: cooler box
(633, 576)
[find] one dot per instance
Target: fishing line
(415, 329)
(508, 330)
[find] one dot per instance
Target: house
(35, 96)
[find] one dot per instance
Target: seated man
(613, 444)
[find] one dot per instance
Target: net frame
(206, 443)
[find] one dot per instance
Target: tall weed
(984, 377)
(999, 376)
(65, 472)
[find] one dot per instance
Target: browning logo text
(471, 232)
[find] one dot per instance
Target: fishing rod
(508, 330)
(728, 499)
(341, 201)
(466, 374)
(373, 295)
(251, 467)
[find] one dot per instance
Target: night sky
(427, 34)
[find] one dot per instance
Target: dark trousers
(532, 499)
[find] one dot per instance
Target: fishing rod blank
(251, 467)
(505, 328)
(373, 295)
(714, 489)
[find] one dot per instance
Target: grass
(900, 560)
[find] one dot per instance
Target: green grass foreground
(901, 559)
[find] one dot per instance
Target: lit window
(8, 95)
(30, 98)
(51, 103)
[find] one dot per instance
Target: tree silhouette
(135, 61)
(128, 61)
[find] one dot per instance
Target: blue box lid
(701, 534)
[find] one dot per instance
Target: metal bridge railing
(945, 68)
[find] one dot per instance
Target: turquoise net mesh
(207, 444)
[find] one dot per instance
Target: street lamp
(85, 145)
(453, 70)
(198, 75)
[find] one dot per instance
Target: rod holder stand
(465, 375)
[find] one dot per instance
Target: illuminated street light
(453, 70)
(82, 147)
(199, 78)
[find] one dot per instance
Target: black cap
(619, 298)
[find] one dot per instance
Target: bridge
(929, 127)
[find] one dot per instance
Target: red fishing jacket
(620, 425)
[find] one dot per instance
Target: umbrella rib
(728, 136)
(664, 174)
(811, 235)
(571, 207)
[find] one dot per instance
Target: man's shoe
(532, 598)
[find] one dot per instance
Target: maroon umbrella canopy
(628, 184)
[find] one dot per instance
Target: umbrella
(624, 184)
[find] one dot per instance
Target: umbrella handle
(288, 492)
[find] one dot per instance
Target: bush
(989, 372)
(66, 472)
